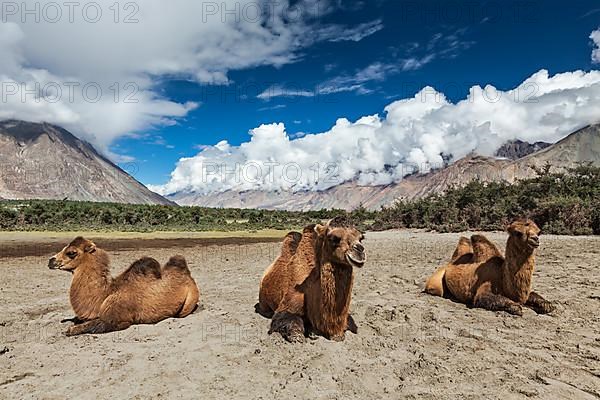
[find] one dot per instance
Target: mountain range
(514, 161)
(44, 161)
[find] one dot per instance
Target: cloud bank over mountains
(414, 133)
(57, 57)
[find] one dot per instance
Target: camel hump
(463, 241)
(309, 228)
(463, 252)
(291, 241)
(483, 248)
(479, 239)
(295, 236)
(341, 221)
(146, 266)
(177, 262)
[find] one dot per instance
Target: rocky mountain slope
(581, 146)
(516, 149)
(43, 161)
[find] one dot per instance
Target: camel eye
(71, 254)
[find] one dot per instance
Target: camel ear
(90, 248)
(320, 229)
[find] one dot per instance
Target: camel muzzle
(53, 264)
(359, 248)
(534, 241)
(356, 259)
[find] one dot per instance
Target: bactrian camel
(479, 275)
(144, 294)
(308, 289)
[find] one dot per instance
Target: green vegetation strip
(561, 203)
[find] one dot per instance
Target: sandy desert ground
(409, 345)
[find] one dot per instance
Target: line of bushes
(561, 203)
(565, 203)
(42, 215)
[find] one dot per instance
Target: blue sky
(450, 45)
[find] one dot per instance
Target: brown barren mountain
(43, 161)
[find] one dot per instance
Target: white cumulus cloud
(67, 52)
(415, 132)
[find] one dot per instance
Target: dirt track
(409, 345)
(41, 249)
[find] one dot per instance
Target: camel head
(524, 233)
(341, 243)
(75, 254)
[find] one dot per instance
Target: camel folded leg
(495, 302)
(74, 320)
(96, 326)
(313, 334)
(290, 326)
(351, 327)
(288, 319)
(435, 283)
(538, 304)
(189, 305)
(263, 310)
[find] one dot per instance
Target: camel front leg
(96, 326)
(290, 326)
(488, 300)
(288, 319)
(538, 304)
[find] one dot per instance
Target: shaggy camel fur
(143, 294)
(479, 275)
(310, 289)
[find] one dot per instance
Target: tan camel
(143, 294)
(479, 275)
(310, 289)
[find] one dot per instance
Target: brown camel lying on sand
(143, 294)
(309, 286)
(479, 275)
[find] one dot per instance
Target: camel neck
(336, 287)
(90, 285)
(518, 271)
